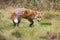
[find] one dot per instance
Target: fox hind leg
(16, 22)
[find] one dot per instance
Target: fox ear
(36, 12)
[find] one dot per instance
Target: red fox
(28, 14)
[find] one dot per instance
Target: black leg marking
(14, 23)
(18, 22)
(31, 23)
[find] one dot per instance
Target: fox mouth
(38, 20)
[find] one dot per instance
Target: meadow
(47, 29)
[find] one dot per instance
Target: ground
(47, 29)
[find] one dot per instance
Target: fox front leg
(31, 22)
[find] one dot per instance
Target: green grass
(46, 23)
(50, 23)
(2, 37)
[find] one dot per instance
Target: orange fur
(25, 13)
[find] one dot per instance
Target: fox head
(38, 16)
